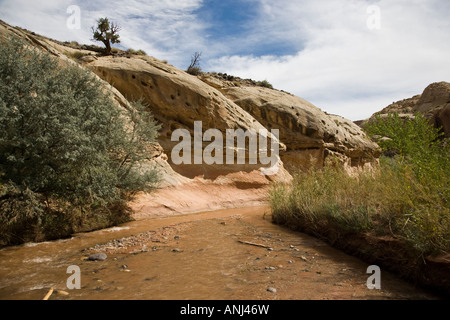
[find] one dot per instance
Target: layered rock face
(307, 135)
(311, 136)
(434, 103)
(179, 100)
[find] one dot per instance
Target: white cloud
(166, 29)
(344, 67)
(46, 16)
(335, 61)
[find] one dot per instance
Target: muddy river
(222, 255)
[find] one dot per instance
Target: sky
(347, 57)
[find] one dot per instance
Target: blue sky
(236, 22)
(341, 55)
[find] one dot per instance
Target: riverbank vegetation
(68, 153)
(403, 204)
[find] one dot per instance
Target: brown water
(198, 256)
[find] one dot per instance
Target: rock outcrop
(179, 100)
(183, 189)
(308, 132)
(434, 103)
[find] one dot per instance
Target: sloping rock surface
(308, 132)
(434, 103)
(179, 100)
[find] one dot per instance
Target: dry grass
(390, 201)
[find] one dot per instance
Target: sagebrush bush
(62, 139)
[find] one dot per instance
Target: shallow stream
(229, 254)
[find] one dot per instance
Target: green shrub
(21, 211)
(407, 197)
(416, 143)
(408, 137)
(134, 52)
(63, 140)
(265, 84)
(389, 201)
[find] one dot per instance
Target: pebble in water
(97, 257)
(273, 290)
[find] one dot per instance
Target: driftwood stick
(253, 244)
(49, 293)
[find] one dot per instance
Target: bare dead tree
(194, 67)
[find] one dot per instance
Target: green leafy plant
(106, 32)
(408, 137)
(406, 197)
(415, 141)
(64, 144)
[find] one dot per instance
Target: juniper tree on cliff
(106, 32)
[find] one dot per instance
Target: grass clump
(136, 52)
(264, 84)
(77, 55)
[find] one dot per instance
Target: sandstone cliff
(308, 132)
(177, 99)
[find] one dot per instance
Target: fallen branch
(49, 293)
(254, 244)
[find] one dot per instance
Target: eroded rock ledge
(177, 99)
